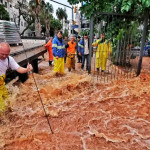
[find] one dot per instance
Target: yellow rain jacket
(103, 49)
(102, 53)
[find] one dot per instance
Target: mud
(83, 115)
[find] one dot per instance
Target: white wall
(13, 13)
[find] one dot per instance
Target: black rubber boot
(50, 63)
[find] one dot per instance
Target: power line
(61, 4)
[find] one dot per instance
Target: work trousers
(101, 63)
(3, 96)
(71, 62)
(85, 57)
(59, 65)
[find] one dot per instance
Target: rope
(35, 82)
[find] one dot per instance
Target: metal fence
(127, 44)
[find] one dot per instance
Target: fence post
(91, 41)
(143, 42)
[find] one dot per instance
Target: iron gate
(127, 44)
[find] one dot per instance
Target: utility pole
(72, 19)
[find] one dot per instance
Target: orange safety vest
(72, 47)
(49, 48)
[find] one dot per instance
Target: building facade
(14, 13)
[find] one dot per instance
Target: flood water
(83, 115)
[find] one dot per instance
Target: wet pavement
(84, 115)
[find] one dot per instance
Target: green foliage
(42, 14)
(61, 13)
(120, 6)
(3, 13)
(126, 5)
(46, 13)
(83, 32)
(65, 33)
(56, 24)
(121, 31)
(48, 8)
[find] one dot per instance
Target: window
(1, 1)
(10, 5)
(11, 19)
(21, 23)
(6, 4)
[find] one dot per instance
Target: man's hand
(57, 57)
(68, 54)
(79, 53)
(29, 68)
(25, 70)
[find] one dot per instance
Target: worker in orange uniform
(71, 50)
(50, 51)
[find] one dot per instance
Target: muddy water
(83, 115)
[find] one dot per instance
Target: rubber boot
(50, 63)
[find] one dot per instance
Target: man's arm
(25, 70)
(80, 46)
(94, 44)
(15, 66)
(54, 47)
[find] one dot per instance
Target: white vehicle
(9, 33)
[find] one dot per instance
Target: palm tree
(65, 14)
(48, 13)
(36, 10)
(61, 14)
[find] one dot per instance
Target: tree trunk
(19, 19)
(47, 23)
(26, 28)
(38, 28)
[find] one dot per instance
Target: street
(82, 113)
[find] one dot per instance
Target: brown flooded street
(83, 114)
